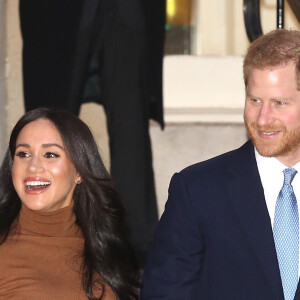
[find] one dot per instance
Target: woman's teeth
(36, 184)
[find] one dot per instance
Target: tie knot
(289, 175)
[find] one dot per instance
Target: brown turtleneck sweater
(41, 259)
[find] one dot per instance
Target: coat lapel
(297, 296)
(247, 197)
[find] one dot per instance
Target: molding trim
(204, 115)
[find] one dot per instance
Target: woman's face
(42, 174)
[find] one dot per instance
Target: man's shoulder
(211, 176)
(220, 163)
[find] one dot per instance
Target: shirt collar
(267, 164)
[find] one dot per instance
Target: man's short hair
(273, 49)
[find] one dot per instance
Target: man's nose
(265, 116)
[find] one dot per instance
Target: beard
(287, 143)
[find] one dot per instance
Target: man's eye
(22, 154)
(280, 103)
(51, 155)
(255, 100)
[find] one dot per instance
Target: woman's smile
(36, 185)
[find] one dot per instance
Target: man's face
(272, 112)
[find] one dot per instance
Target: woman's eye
(51, 155)
(22, 154)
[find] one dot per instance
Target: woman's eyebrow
(23, 145)
(43, 145)
(52, 145)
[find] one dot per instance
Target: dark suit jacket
(214, 240)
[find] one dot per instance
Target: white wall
(14, 82)
(203, 89)
(209, 87)
(2, 78)
(220, 28)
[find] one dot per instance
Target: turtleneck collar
(59, 223)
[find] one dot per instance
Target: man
(230, 229)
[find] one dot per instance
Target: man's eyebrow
(43, 145)
(273, 98)
(281, 99)
(250, 95)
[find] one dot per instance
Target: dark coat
(109, 52)
(215, 240)
(61, 37)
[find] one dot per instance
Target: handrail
(252, 16)
(252, 19)
(280, 14)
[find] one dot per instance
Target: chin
(274, 149)
(268, 148)
(266, 152)
(34, 206)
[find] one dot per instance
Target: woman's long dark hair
(99, 212)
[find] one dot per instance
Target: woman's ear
(78, 179)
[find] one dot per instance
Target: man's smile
(267, 134)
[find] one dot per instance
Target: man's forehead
(272, 67)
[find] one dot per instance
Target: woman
(61, 223)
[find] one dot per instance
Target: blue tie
(286, 235)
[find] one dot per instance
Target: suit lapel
(297, 296)
(247, 197)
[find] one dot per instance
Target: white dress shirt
(271, 174)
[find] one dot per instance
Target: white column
(14, 81)
(3, 97)
(211, 27)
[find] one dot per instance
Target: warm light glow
(179, 12)
(171, 9)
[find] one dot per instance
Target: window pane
(179, 27)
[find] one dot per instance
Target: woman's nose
(35, 165)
